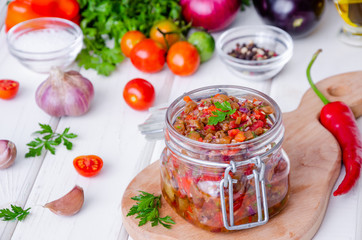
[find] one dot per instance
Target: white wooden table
(109, 130)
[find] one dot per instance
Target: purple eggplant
(297, 17)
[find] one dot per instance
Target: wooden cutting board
(315, 165)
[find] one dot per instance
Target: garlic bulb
(64, 93)
(7, 153)
(69, 204)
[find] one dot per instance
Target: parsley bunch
(220, 116)
(147, 210)
(107, 20)
(48, 140)
(15, 213)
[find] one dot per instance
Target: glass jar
(222, 187)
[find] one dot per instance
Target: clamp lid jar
(232, 185)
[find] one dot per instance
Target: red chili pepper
(338, 118)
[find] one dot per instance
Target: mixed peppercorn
(223, 119)
(251, 51)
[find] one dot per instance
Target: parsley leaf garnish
(48, 140)
(220, 116)
(147, 210)
(15, 213)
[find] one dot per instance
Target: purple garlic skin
(7, 153)
(65, 94)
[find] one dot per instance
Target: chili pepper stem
(313, 86)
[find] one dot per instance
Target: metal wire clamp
(227, 182)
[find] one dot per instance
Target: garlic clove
(69, 204)
(7, 153)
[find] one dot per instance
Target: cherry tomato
(129, 40)
(88, 165)
(148, 56)
(166, 26)
(8, 88)
(183, 58)
(139, 94)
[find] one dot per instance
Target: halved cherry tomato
(8, 88)
(88, 165)
(166, 26)
(183, 58)
(148, 56)
(139, 94)
(129, 40)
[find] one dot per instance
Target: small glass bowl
(264, 36)
(42, 43)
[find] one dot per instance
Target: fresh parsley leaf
(220, 115)
(244, 3)
(16, 212)
(147, 210)
(48, 140)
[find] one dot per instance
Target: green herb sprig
(220, 116)
(16, 212)
(147, 210)
(48, 140)
(104, 21)
(244, 4)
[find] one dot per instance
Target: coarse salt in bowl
(42, 43)
(264, 36)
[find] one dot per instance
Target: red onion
(213, 15)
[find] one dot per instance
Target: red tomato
(166, 26)
(256, 125)
(139, 94)
(148, 56)
(88, 165)
(183, 58)
(8, 88)
(129, 40)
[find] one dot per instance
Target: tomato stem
(313, 86)
(164, 34)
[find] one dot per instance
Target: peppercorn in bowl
(255, 52)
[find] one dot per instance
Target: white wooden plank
(3, 11)
(123, 235)
(19, 119)
(109, 130)
(159, 147)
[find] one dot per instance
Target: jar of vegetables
(223, 167)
